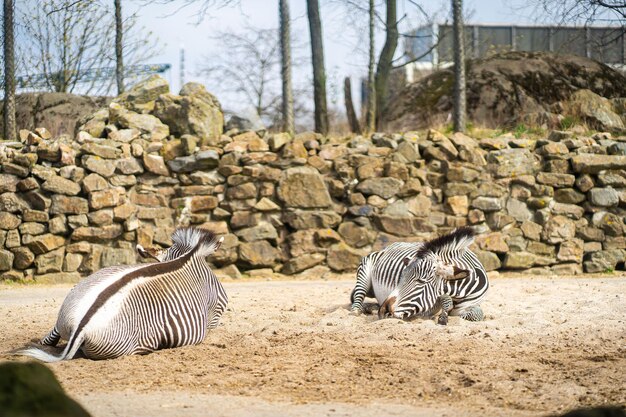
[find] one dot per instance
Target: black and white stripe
(409, 279)
(138, 309)
(379, 272)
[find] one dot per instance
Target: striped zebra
(379, 272)
(137, 309)
(443, 275)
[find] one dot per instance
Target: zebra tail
(70, 350)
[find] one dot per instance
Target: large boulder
(141, 97)
(303, 187)
(596, 111)
(504, 88)
(195, 111)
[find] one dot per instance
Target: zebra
(379, 272)
(443, 275)
(137, 309)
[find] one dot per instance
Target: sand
(292, 348)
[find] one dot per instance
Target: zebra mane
(204, 241)
(458, 240)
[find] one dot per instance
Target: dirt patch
(548, 344)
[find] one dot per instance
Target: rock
(519, 260)
(604, 197)
(103, 151)
(155, 164)
(61, 185)
(458, 205)
(556, 180)
(570, 210)
(492, 242)
(385, 187)
(258, 254)
(45, 243)
(318, 219)
(508, 163)
(35, 216)
(302, 263)
(354, 235)
(145, 123)
(403, 226)
(201, 161)
(518, 210)
(12, 203)
(613, 178)
(571, 250)
(31, 389)
(303, 187)
(603, 261)
(6, 260)
(489, 260)
(195, 112)
(94, 182)
(117, 256)
(103, 167)
(558, 229)
(568, 196)
(261, 232)
(32, 228)
(242, 192)
(341, 257)
(265, 204)
(24, 258)
(278, 140)
(72, 262)
(98, 234)
(9, 221)
(487, 204)
(110, 197)
(593, 164)
(610, 223)
(128, 166)
(50, 262)
(141, 96)
(8, 183)
(595, 110)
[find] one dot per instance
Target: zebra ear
(459, 274)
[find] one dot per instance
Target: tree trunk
(352, 119)
(370, 118)
(383, 69)
(459, 115)
(285, 52)
(119, 58)
(9, 72)
(317, 58)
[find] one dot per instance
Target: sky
(344, 48)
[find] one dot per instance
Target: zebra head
(424, 277)
(183, 240)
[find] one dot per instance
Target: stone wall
(70, 206)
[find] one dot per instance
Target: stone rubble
(153, 161)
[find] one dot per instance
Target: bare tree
(9, 71)
(285, 51)
(246, 70)
(317, 59)
(119, 55)
(385, 61)
(70, 41)
(587, 11)
(352, 119)
(459, 67)
(370, 119)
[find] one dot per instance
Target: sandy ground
(291, 349)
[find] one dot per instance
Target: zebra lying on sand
(419, 279)
(137, 309)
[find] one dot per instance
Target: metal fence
(605, 44)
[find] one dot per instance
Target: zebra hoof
(355, 312)
(443, 320)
